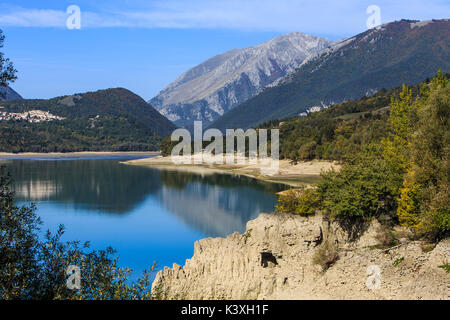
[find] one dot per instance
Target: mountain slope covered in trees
(340, 131)
(400, 177)
(334, 133)
(403, 52)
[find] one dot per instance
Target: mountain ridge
(210, 89)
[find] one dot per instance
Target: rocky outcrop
(7, 93)
(273, 260)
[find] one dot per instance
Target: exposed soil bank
(295, 175)
(274, 258)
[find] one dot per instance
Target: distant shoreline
(296, 175)
(63, 155)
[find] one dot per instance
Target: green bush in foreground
(365, 187)
(31, 268)
(302, 202)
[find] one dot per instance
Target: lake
(145, 214)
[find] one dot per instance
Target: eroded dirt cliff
(274, 258)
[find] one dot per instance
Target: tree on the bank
(31, 268)
(424, 202)
(7, 71)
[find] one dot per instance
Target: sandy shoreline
(60, 155)
(294, 175)
(300, 174)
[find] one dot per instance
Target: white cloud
(32, 18)
(328, 17)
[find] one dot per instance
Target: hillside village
(33, 116)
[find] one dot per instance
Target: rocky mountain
(105, 120)
(212, 88)
(7, 93)
(401, 52)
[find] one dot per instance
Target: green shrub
(398, 261)
(287, 201)
(365, 187)
(308, 202)
(446, 267)
(427, 247)
(303, 202)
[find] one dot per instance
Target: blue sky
(145, 45)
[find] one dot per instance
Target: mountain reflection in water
(214, 205)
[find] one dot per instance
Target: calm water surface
(145, 214)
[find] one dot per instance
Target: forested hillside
(337, 132)
(340, 131)
(403, 52)
(105, 120)
(400, 176)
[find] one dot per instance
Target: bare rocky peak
(7, 93)
(210, 89)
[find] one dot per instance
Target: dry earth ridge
(273, 260)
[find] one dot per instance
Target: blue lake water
(145, 214)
